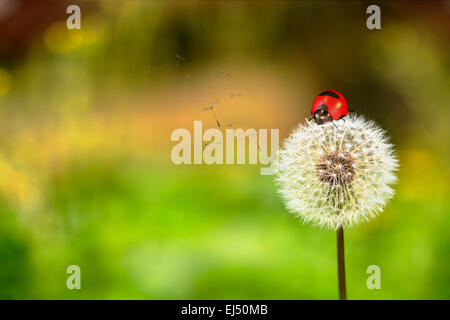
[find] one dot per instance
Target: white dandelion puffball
(334, 177)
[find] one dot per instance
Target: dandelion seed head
(337, 177)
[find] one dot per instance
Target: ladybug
(328, 106)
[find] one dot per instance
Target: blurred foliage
(85, 171)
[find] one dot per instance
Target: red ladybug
(328, 106)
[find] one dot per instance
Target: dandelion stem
(341, 264)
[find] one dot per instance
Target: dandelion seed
(180, 57)
(223, 73)
(211, 107)
(232, 95)
(205, 144)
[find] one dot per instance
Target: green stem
(341, 264)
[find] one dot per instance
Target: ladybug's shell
(335, 103)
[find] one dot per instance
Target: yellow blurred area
(59, 39)
(14, 185)
(5, 81)
(140, 124)
(421, 176)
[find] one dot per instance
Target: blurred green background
(85, 172)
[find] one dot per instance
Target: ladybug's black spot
(330, 93)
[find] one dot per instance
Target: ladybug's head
(321, 115)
